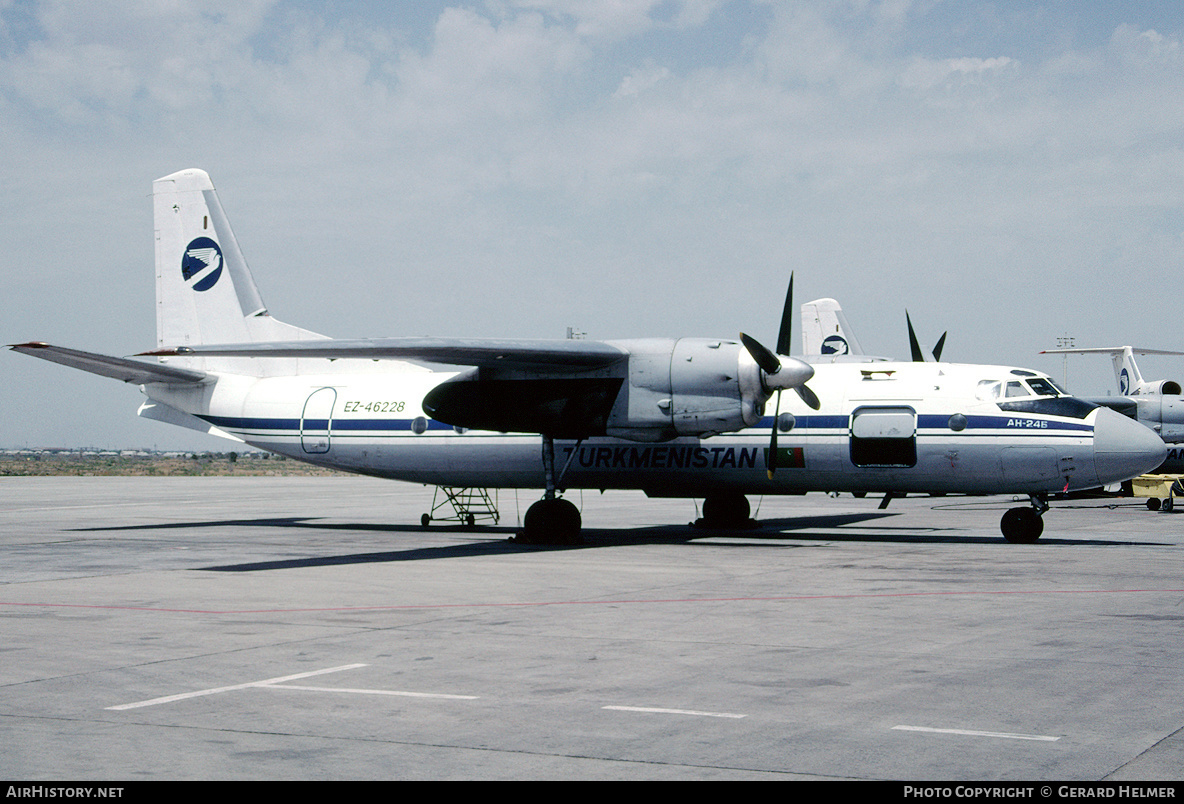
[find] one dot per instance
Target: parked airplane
(1158, 404)
(674, 417)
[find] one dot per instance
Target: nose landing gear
(1024, 525)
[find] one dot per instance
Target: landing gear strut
(551, 520)
(1024, 525)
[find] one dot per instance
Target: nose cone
(1123, 448)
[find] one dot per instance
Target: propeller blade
(914, 347)
(772, 463)
(941, 342)
(761, 354)
(808, 396)
(786, 332)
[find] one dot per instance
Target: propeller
(786, 332)
(779, 371)
(915, 347)
(937, 349)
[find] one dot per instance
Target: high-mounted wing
(119, 368)
(509, 355)
(642, 390)
(561, 388)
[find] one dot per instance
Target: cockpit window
(993, 390)
(988, 390)
(1032, 395)
(1044, 387)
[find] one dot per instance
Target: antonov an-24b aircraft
(674, 417)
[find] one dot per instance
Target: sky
(1009, 172)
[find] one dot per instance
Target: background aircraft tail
(1126, 372)
(825, 330)
(204, 290)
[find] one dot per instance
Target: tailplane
(204, 290)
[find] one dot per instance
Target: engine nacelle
(686, 387)
(1165, 387)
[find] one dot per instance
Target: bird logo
(202, 264)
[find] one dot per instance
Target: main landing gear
(552, 520)
(1024, 525)
(725, 510)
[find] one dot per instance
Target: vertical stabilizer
(825, 330)
(1126, 372)
(204, 290)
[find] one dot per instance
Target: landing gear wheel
(726, 510)
(1022, 525)
(425, 520)
(555, 521)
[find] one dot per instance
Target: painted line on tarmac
(655, 710)
(968, 733)
(249, 684)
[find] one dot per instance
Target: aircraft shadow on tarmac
(785, 531)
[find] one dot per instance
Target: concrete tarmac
(310, 628)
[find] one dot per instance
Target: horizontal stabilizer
(119, 368)
(160, 412)
(494, 354)
(1109, 350)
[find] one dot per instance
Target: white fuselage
(891, 427)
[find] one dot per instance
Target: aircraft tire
(555, 522)
(724, 510)
(1021, 525)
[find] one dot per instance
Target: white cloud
(620, 19)
(925, 74)
(640, 80)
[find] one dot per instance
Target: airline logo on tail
(202, 264)
(1124, 383)
(835, 345)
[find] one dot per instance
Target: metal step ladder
(468, 506)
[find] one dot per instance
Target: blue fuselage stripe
(816, 424)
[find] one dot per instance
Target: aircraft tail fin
(825, 330)
(204, 291)
(1126, 371)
